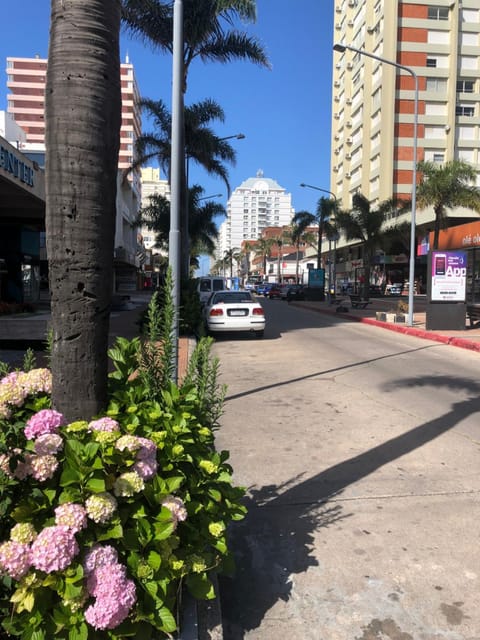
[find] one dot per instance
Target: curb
(463, 343)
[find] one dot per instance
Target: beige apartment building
(26, 79)
(373, 101)
(26, 83)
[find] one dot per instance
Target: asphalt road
(360, 449)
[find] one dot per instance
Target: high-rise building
(152, 184)
(373, 102)
(26, 79)
(256, 204)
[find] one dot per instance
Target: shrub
(104, 520)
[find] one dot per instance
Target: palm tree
(202, 228)
(208, 29)
(263, 247)
(230, 255)
(324, 213)
(83, 117)
(446, 186)
(208, 34)
(366, 224)
(297, 234)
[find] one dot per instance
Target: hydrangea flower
(54, 549)
(115, 596)
(128, 484)
(103, 424)
(147, 450)
(208, 466)
(99, 556)
(216, 529)
(43, 467)
(44, 421)
(15, 559)
(130, 443)
(71, 515)
(5, 463)
(23, 532)
(146, 469)
(101, 507)
(48, 444)
(176, 507)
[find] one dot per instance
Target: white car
(234, 311)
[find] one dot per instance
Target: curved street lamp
(341, 48)
(331, 276)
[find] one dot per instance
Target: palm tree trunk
(319, 245)
(83, 116)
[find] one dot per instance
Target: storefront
(22, 225)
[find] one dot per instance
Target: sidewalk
(469, 338)
(18, 332)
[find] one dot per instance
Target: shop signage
(16, 167)
(449, 276)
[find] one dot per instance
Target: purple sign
(449, 276)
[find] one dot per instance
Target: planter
(385, 316)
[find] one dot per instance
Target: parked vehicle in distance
(234, 311)
(264, 288)
(295, 292)
(208, 284)
(278, 291)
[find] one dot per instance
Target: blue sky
(283, 112)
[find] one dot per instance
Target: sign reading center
(449, 276)
(17, 168)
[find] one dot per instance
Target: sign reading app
(449, 276)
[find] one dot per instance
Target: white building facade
(257, 203)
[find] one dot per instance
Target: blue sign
(316, 278)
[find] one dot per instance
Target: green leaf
(78, 633)
(174, 483)
(168, 620)
(163, 530)
(96, 485)
(115, 532)
(154, 560)
(70, 476)
(200, 586)
(215, 494)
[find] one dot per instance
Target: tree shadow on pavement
(276, 539)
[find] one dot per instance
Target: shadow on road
(275, 541)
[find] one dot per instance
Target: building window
(436, 84)
(438, 13)
(464, 110)
(431, 62)
(465, 86)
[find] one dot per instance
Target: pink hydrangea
(43, 467)
(104, 424)
(54, 549)
(44, 421)
(148, 449)
(48, 444)
(176, 507)
(5, 465)
(71, 515)
(15, 559)
(146, 469)
(115, 596)
(99, 556)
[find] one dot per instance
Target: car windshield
(229, 297)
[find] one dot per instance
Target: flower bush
(103, 521)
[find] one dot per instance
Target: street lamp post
(332, 290)
(411, 276)
(177, 159)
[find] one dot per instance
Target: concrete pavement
(469, 338)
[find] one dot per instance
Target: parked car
(278, 291)
(207, 284)
(264, 288)
(234, 311)
(295, 292)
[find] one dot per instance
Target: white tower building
(256, 204)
